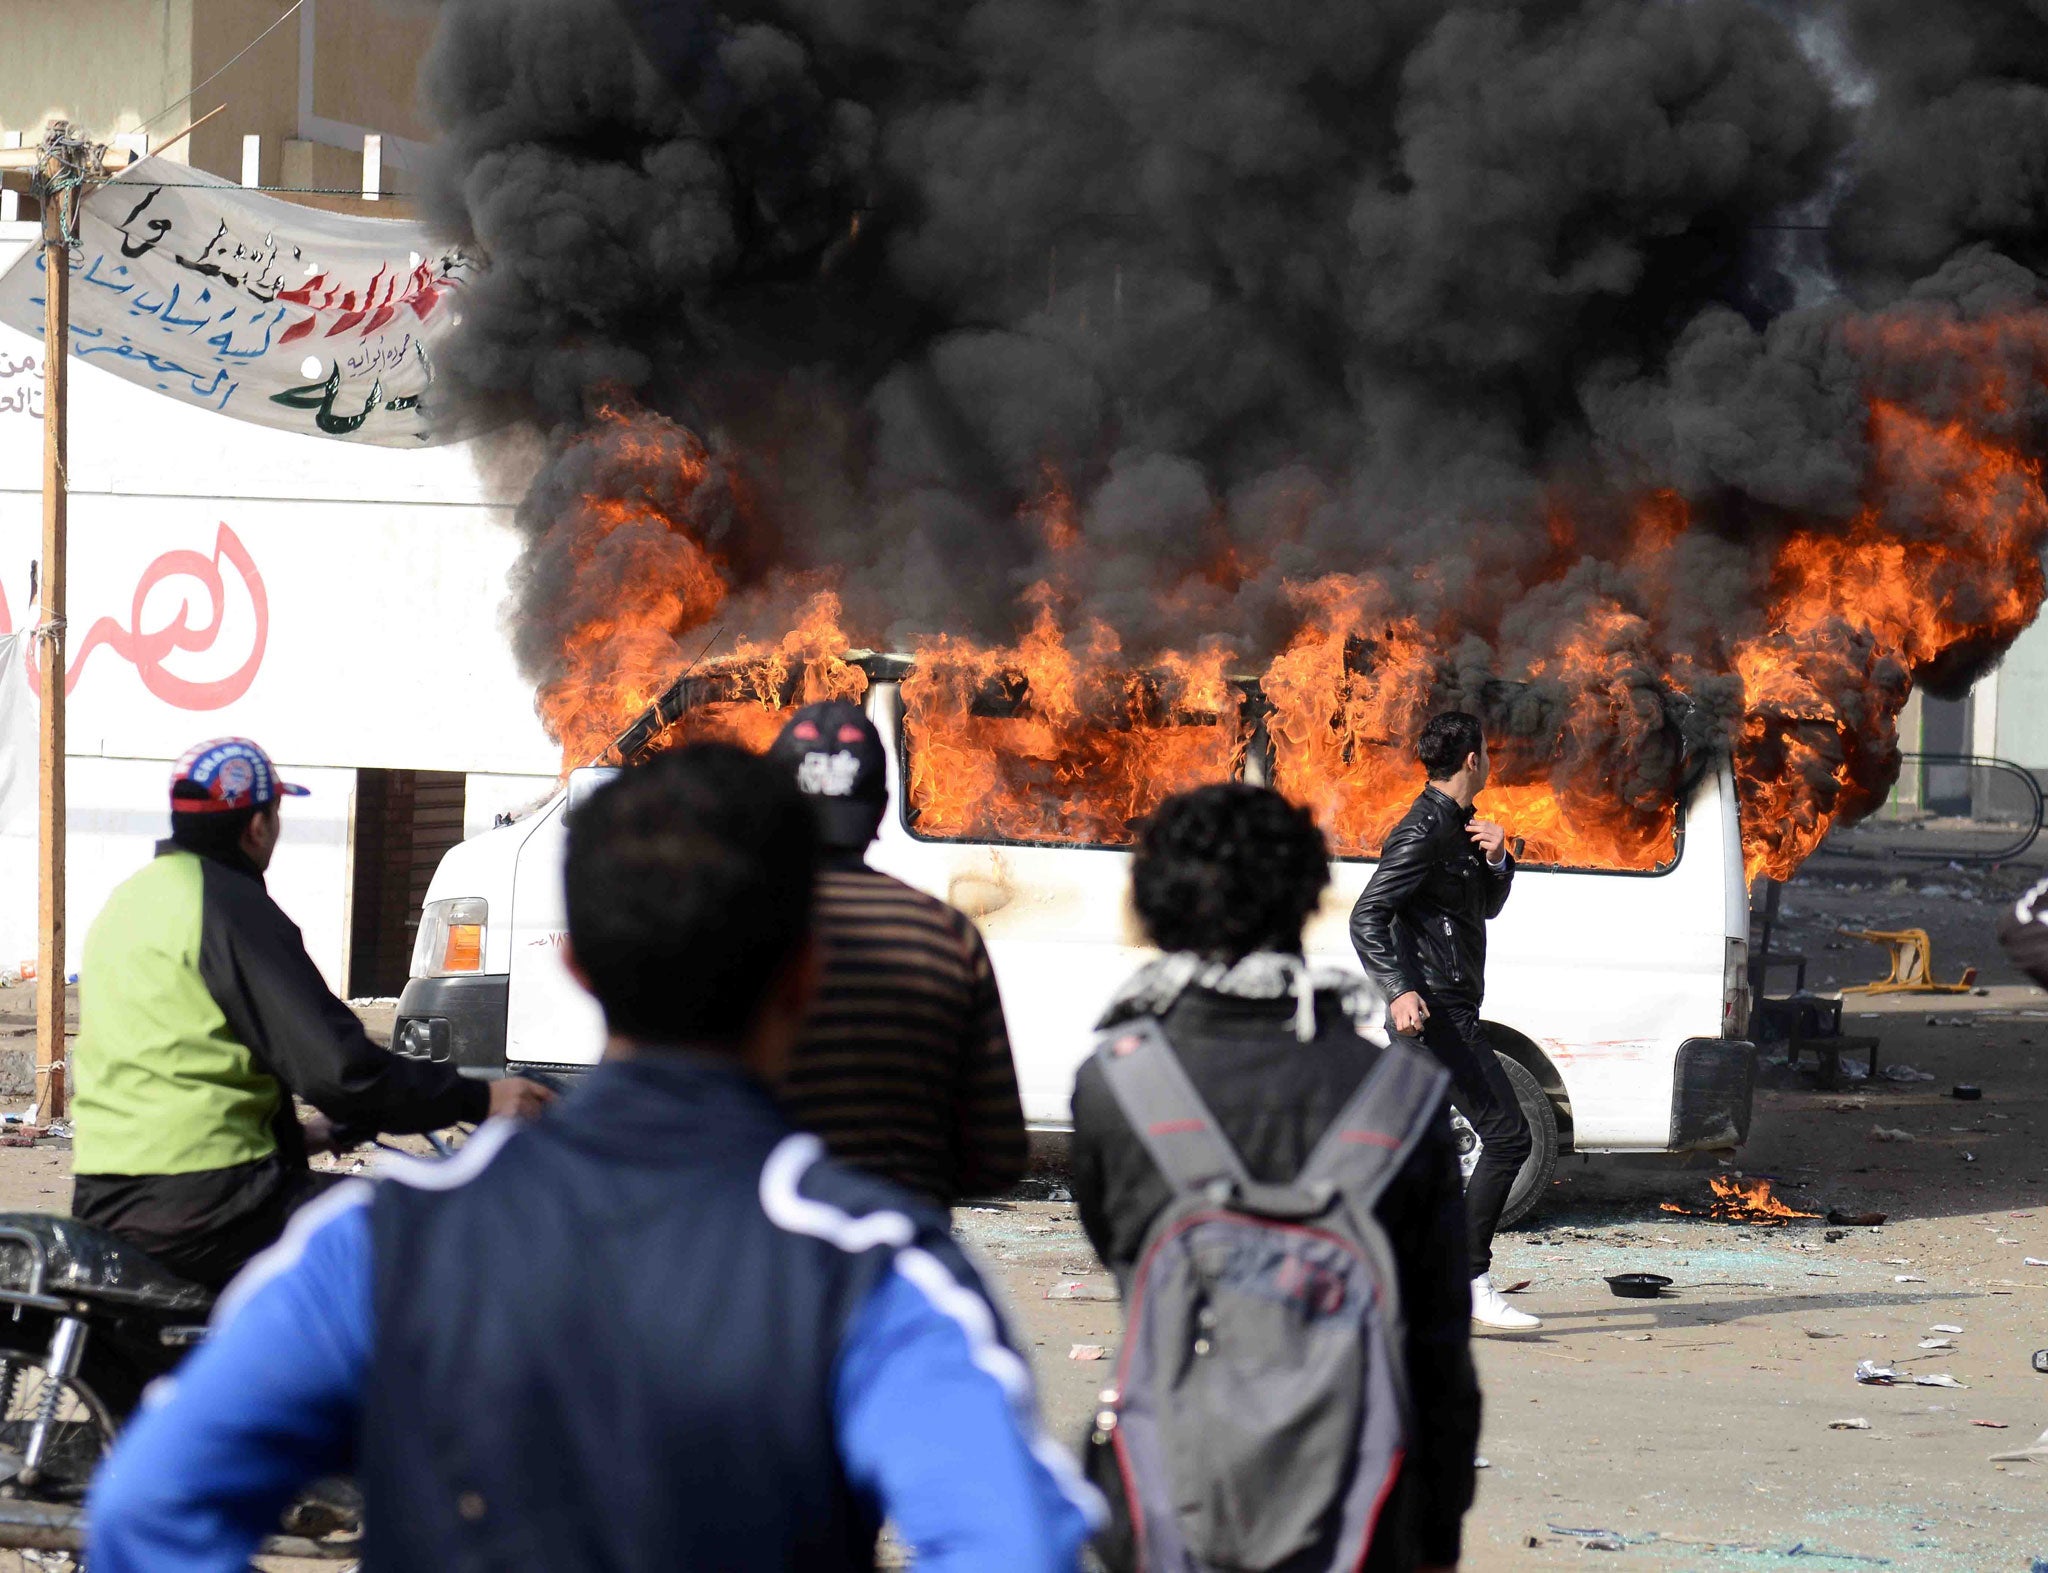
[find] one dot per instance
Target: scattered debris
(1912, 958)
(1906, 1073)
(1802, 1549)
(1482, 1462)
(1077, 1290)
(1834, 1236)
(1992, 1425)
(1638, 1286)
(1937, 1343)
(1517, 1288)
(1907, 1278)
(2041, 1361)
(2034, 1261)
(2034, 1452)
(1944, 1327)
(1966, 1092)
(1819, 1332)
(1887, 1133)
(1592, 1539)
(1088, 1352)
(1871, 1374)
(1856, 1220)
(1858, 1424)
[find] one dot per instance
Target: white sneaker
(1491, 1309)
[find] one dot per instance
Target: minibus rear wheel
(1533, 1183)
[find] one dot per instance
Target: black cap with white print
(836, 755)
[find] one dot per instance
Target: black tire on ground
(1533, 1183)
(92, 1409)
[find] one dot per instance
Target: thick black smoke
(1293, 287)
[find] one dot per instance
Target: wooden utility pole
(58, 171)
(60, 208)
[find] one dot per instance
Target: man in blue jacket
(655, 1330)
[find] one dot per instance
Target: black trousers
(205, 1225)
(1481, 1090)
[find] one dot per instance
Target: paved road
(1697, 1427)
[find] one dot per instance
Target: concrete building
(309, 89)
(2003, 717)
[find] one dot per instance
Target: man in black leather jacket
(1420, 930)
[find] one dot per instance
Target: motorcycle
(86, 1324)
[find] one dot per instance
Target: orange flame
(1741, 1201)
(1066, 736)
(807, 665)
(1039, 742)
(1865, 611)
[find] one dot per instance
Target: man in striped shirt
(904, 1067)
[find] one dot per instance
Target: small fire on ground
(1737, 1200)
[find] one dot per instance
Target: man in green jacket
(201, 1016)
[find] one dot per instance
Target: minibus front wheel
(1533, 1182)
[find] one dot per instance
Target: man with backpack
(1276, 1189)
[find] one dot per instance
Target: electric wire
(273, 27)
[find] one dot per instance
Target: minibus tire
(1533, 1183)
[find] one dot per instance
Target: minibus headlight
(451, 938)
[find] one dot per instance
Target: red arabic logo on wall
(146, 649)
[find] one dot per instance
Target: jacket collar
(1446, 803)
(237, 861)
(639, 1106)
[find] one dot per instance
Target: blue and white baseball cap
(225, 774)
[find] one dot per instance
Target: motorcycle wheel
(88, 1411)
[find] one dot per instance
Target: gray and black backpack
(1260, 1408)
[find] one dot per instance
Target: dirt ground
(1698, 1429)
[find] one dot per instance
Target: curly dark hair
(1225, 870)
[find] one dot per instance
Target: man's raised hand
(1492, 840)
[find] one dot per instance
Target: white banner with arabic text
(287, 316)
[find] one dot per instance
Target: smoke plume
(1569, 336)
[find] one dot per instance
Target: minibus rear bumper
(1711, 1090)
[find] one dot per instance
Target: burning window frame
(752, 695)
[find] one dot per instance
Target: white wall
(340, 604)
(116, 813)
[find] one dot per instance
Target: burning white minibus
(1617, 998)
